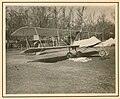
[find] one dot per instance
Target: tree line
(59, 17)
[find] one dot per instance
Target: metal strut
(39, 38)
(69, 49)
(75, 49)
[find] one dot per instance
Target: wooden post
(21, 46)
(56, 42)
(53, 39)
(102, 36)
(88, 35)
(58, 38)
(70, 37)
(95, 34)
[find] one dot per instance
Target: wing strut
(27, 43)
(39, 38)
(70, 37)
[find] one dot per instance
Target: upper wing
(30, 31)
(32, 50)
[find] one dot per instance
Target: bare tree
(80, 12)
(113, 15)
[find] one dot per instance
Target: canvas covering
(87, 42)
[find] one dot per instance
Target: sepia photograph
(60, 49)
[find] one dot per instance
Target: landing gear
(78, 53)
(69, 55)
(102, 53)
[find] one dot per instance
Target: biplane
(56, 36)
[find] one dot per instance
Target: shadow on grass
(50, 60)
(42, 53)
(61, 58)
(90, 54)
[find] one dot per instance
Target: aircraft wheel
(102, 53)
(79, 53)
(69, 55)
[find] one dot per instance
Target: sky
(108, 10)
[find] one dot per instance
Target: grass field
(52, 72)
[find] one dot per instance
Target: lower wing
(39, 49)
